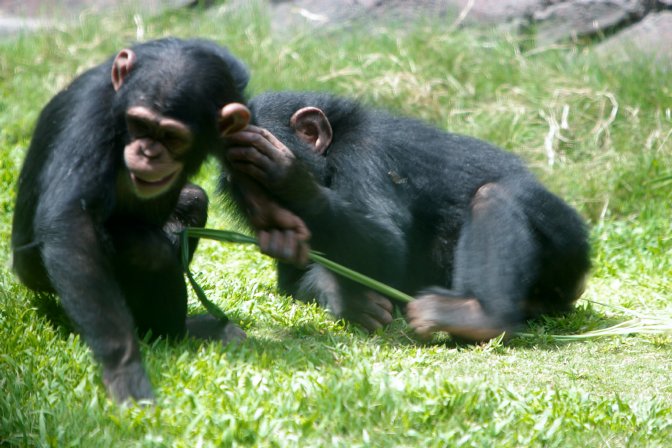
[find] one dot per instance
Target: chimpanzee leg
(148, 269)
(192, 211)
(496, 265)
(343, 298)
(148, 265)
(289, 278)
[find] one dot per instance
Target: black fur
(113, 257)
(416, 207)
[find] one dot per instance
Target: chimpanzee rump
(461, 221)
(104, 187)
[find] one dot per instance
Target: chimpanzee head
(174, 100)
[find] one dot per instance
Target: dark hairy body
(104, 189)
(456, 221)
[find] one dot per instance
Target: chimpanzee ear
(312, 126)
(121, 67)
(233, 117)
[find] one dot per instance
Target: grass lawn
(597, 134)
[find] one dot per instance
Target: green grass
(302, 379)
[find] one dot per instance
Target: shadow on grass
(49, 307)
(309, 343)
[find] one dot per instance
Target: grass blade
(235, 237)
(640, 323)
(209, 306)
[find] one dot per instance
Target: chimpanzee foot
(210, 328)
(463, 318)
(128, 383)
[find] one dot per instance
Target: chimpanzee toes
(463, 318)
(232, 333)
(128, 383)
(209, 328)
(419, 316)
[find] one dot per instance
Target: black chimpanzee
(104, 187)
(414, 207)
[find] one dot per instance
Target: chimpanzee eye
(137, 128)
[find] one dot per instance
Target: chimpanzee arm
(81, 274)
(76, 194)
(280, 233)
(347, 221)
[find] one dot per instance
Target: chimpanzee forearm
(83, 277)
(340, 225)
(345, 228)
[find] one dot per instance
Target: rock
(553, 20)
(495, 11)
(288, 14)
(25, 15)
(570, 19)
(652, 37)
(50, 8)
(13, 25)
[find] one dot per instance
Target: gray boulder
(570, 19)
(651, 37)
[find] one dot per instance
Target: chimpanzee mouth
(159, 183)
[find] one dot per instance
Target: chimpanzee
(461, 221)
(103, 190)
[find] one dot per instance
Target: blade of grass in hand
(235, 237)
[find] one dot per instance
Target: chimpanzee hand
(267, 160)
(280, 233)
(370, 310)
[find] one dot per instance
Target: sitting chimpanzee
(422, 210)
(104, 187)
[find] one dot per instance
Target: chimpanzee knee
(191, 211)
(486, 195)
(192, 206)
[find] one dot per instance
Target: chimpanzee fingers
(288, 244)
(303, 255)
(295, 251)
(248, 154)
(275, 145)
(380, 300)
(263, 238)
(370, 323)
(253, 133)
(270, 242)
(256, 173)
(423, 315)
(264, 142)
(370, 310)
(284, 246)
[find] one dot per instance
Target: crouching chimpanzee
(104, 187)
(422, 210)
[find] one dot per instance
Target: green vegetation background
(596, 133)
